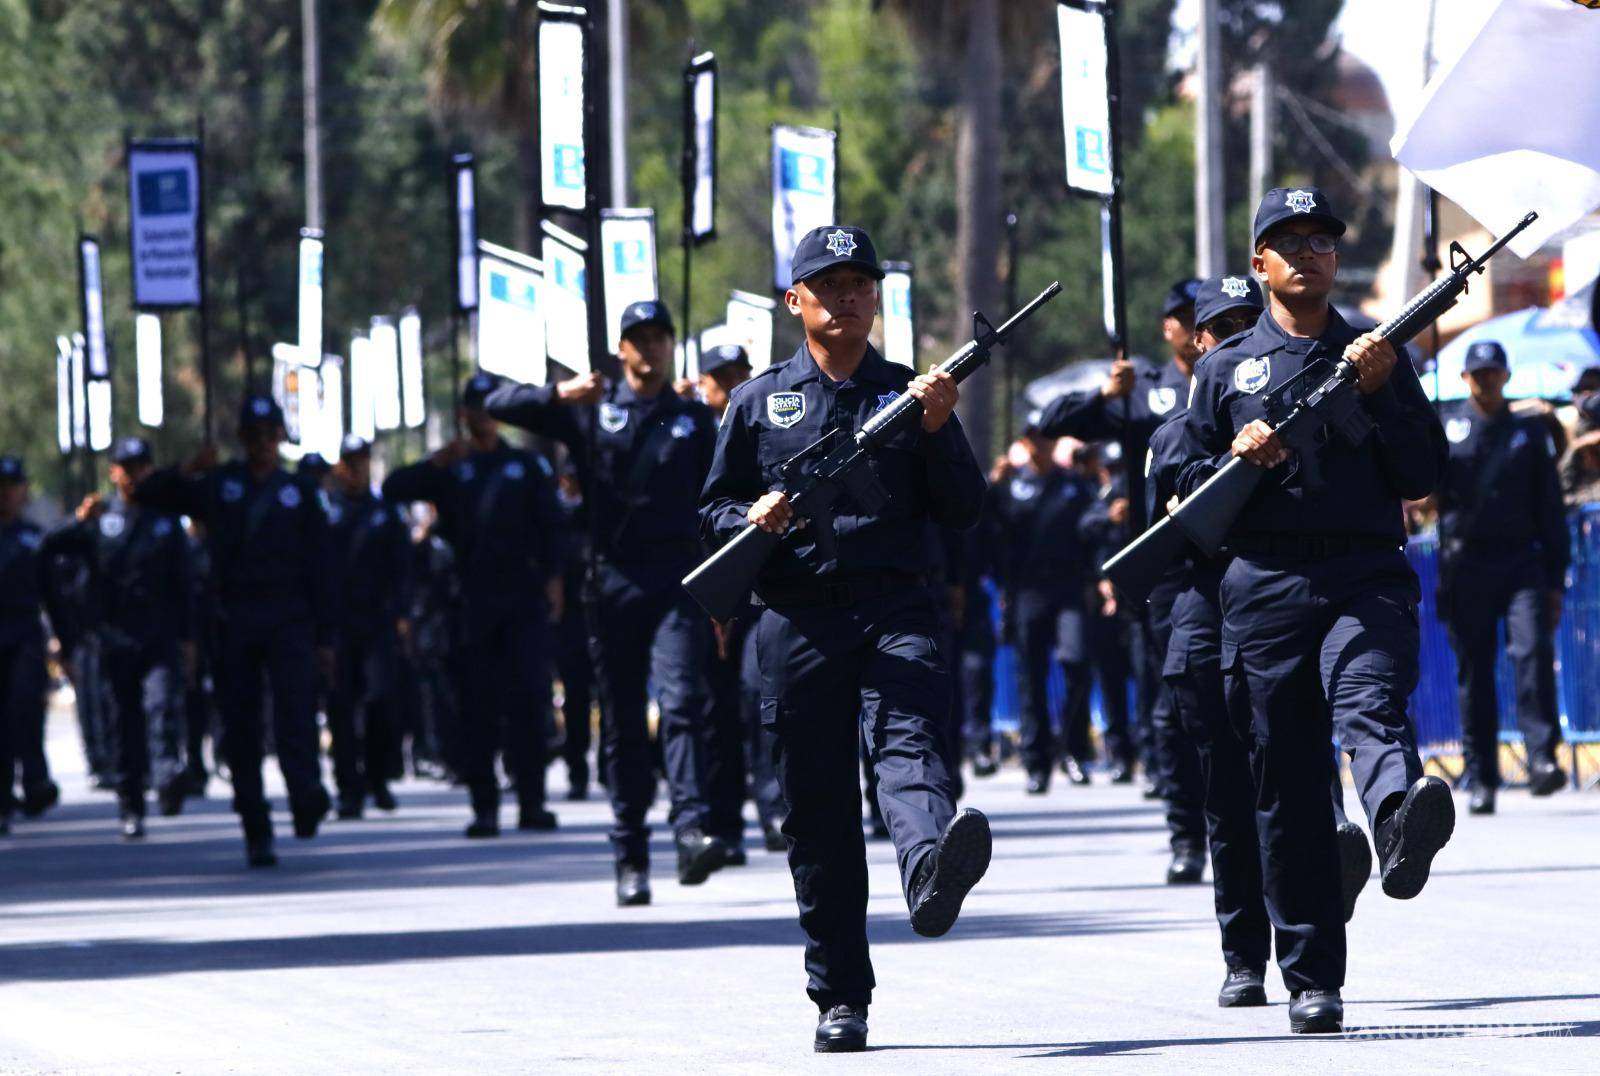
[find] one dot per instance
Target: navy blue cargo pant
(827, 676)
(1177, 761)
(148, 689)
(1483, 591)
(23, 682)
(1049, 629)
(1313, 649)
(504, 677)
(284, 653)
(363, 712)
(651, 633)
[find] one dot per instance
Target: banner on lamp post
(511, 314)
(147, 363)
(701, 169)
(803, 178)
(386, 404)
(64, 425)
(566, 299)
(562, 44)
(750, 316)
(628, 237)
(165, 208)
(310, 336)
(80, 399)
(899, 322)
(464, 204)
(1085, 97)
(413, 398)
(363, 407)
(286, 374)
(92, 302)
(331, 376)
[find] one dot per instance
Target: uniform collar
(622, 395)
(1269, 336)
(874, 369)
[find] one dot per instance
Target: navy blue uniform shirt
(1501, 493)
(1038, 517)
(140, 574)
(1363, 486)
(268, 541)
(791, 404)
(21, 581)
(498, 512)
(372, 555)
(651, 456)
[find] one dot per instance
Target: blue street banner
(750, 316)
(165, 205)
(1085, 88)
(628, 237)
(803, 182)
(566, 299)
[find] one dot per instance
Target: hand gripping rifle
(836, 465)
(1298, 411)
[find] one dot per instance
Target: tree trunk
(978, 208)
(525, 211)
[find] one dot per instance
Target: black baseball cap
(1294, 203)
(1180, 295)
(1484, 355)
(313, 465)
(12, 470)
(646, 312)
(1220, 294)
(477, 389)
(354, 445)
(130, 450)
(714, 359)
(1589, 375)
(831, 245)
(259, 410)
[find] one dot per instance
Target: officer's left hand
(555, 597)
(938, 393)
(1374, 359)
(1555, 599)
(583, 389)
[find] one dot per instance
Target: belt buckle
(836, 594)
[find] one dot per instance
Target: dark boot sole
(1547, 785)
(1427, 819)
(637, 900)
(702, 866)
(964, 853)
(1327, 1024)
(1249, 997)
(840, 1046)
(1355, 865)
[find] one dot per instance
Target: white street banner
(566, 299)
(287, 374)
(1511, 125)
(64, 395)
(750, 316)
(561, 143)
(1085, 102)
(331, 375)
(899, 329)
(310, 297)
(701, 77)
(98, 393)
(362, 403)
(412, 393)
(165, 203)
(464, 198)
(803, 176)
(511, 322)
(1108, 275)
(629, 239)
(80, 402)
(94, 309)
(385, 373)
(147, 361)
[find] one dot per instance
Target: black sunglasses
(1225, 325)
(1292, 242)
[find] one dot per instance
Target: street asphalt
(392, 945)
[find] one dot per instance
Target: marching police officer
(650, 452)
(1038, 507)
(1503, 547)
(737, 746)
(140, 586)
(22, 670)
(848, 639)
(497, 510)
(1319, 603)
(268, 539)
(372, 557)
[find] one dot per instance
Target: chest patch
(1024, 489)
(683, 427)
(1252, 375)
(289, 496)
(335, 514)
(112, 525)
(1457, 429)
(232, 490)
(885, 400)
(377, 519)
(1518, 439)
(784, 409)
(514, 470)
(612, 417)
(1163, 399)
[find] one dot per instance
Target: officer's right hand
(772, 513)
(93, 507)
(583, 389)
(1108, 597)
(203, 460)
(1260, 445)
(1000, 471)
(1119, 382)
(1117, 511)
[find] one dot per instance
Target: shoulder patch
(232, 490)
(1162, 399)
(612, 417)
(1457, 429)
(1252, 375)
(683, 427)
(514, 470)
(112, 524)
(785, 409)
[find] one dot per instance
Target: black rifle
(722, 584)
(1298, 411)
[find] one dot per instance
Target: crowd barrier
(1434, 705)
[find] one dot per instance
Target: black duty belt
(836, 591)
(1311, 546)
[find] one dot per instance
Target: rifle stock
(722, 583)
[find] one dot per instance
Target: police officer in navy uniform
(268, 538)
(1319, 603)
(23, 680)
(139, 581)
(1039, 570)
(372, 559)
(847, 637)
(1503, 546)
(651, 452)
(1225, 306)
(497, 510)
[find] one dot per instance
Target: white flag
(802, 191)
(1511, 125)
